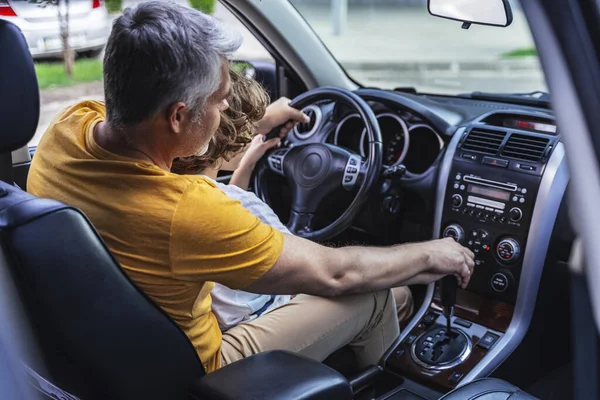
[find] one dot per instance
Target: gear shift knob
(448, 297)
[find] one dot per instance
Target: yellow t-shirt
(173, 235)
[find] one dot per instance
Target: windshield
(397, 43)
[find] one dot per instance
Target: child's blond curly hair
(247, 105)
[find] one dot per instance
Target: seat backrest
(100, 337)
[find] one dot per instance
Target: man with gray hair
(166, 81)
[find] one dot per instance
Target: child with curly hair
(236, 147)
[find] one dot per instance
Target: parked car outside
(89, 25)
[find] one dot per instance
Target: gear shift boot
(437, 349)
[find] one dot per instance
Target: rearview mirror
(482, 12)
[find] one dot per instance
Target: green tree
(62, 10)
(114, 6)
(206, 6)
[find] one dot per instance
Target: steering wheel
(316, 170)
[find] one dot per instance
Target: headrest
(19, 92)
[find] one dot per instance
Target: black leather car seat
(101, 338)
(488, 389)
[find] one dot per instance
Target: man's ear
(176, 115)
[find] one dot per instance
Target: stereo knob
(454, 231)
(457, 200)
(508, 250)
(515, 214)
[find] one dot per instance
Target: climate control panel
(488, 209)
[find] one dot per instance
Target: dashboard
(416, 132)
(492, 176)
(407, 139)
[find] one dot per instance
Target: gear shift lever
(448, 297)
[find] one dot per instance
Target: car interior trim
(444, 174)
(407, 103)
(438, 367)
(405, 133)
(425, 126)
(550, 195)
(316, 126)
(582, 161)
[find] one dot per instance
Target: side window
(252, 57)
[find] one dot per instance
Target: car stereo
(488, 209)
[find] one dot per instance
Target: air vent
(525, 147)
(484, 141)
(305, 130)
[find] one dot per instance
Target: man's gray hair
(160, 53)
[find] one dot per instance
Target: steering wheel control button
(488, 340)
(515, 214)
(351, 172)
(457, 200)
(508, 250)
(455, 232)
(499, 282)
(276, 160)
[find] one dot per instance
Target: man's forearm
(360, 269)
(307, 267)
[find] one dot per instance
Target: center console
(500, 185)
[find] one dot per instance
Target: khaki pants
(316, 327)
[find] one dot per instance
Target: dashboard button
(496, 162)
(515, 214)
(508, 250)
(488, 340)
(457, 200)
(454, 231)
(499, 282)
(455, 377)
(527, 167)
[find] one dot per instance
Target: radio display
(489, 192)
